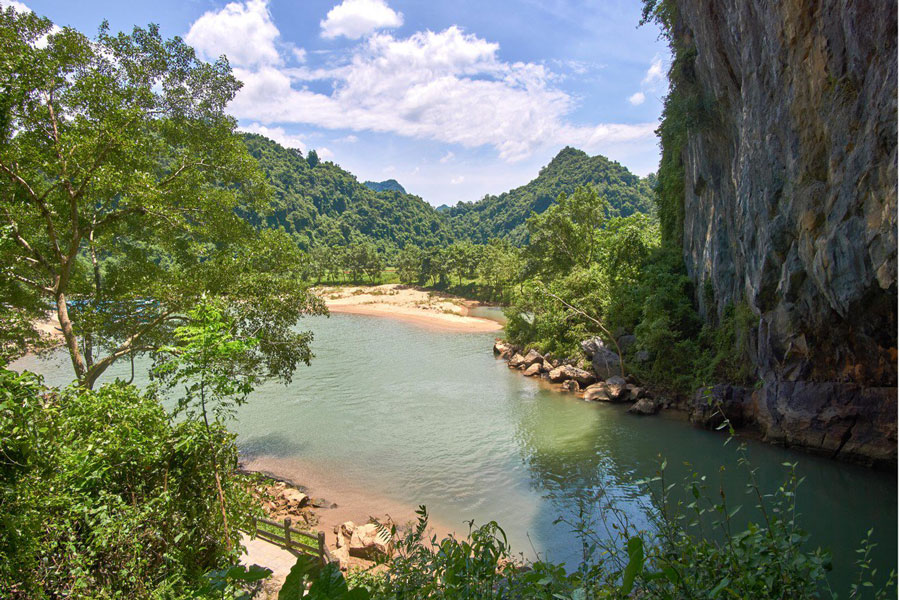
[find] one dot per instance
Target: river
(395, 411)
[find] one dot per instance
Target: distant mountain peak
(391, 185)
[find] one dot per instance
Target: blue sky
(453, 99)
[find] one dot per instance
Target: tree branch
(593, 320)
(23, 242)
(42, 206)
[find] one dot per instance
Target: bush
(104, 496)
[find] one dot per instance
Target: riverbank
(330, 502)
(413, 305)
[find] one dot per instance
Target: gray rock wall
(791, 197)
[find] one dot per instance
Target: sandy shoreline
(430, 309)
(354, 502)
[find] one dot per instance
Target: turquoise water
(430, 417)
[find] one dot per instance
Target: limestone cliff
(790, 205)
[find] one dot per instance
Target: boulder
(345, 530)
(644, 406)
(626, 342)
(342, 554)
(617, 389)
(295, 498)
(368, 541)
(501, 347)
(641, 356)
(516, 361)
(566, 372)
(533, 357)
(596, 393)
(546, 367)
(604, 361)
(533, 370)
(590, 346)
(571, 385)
(635, 392)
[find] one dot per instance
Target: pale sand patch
(432, 309)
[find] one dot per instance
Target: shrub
(104, 496)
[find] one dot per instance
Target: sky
(453, 99)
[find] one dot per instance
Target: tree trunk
(62, 312)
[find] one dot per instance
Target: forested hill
(504, 215)
(319, 203)
(389, 185)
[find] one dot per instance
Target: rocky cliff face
(791, 200)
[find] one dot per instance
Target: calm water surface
(428, 417)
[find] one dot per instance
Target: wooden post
(255, 527)
(321, 537)
(287, 531)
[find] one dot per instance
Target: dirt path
(264, 554)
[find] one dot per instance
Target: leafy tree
(121, 176)
(217, 370)
(312, 159)
(409, 264)
(103, 495)
(504, 216)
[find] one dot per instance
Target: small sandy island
(427, 308)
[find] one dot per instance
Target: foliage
(504, 216)
(577, 254)
(120, 176)
(386, 185)
(695, 549)
(687, 108)
(327, 207)
(102, 495)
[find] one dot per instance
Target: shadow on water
(583, 454)
(274, 445)
(394, 411)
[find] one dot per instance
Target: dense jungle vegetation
(133, 210)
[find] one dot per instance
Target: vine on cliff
(686, 108)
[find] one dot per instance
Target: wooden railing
(291, 539)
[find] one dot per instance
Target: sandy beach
(429, 309)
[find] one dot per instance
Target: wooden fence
(291, 539)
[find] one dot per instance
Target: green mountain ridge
(504, 215)
(388, 185)
(325, 205)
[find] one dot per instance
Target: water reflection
(413, 416)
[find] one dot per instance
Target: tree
(312, 159)
(216, 367)
(409, 264)
(120, 178)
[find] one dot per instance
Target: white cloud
(21, 8)
(637, 98)
(348, 139)
(299, 54)
(16, 6)
(447, 86)
(276, 133)
(457, 180)
(356, 18)
(655, 73)
(244, 32)
(324, 153)
(447, 157)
